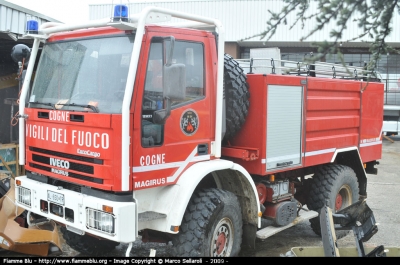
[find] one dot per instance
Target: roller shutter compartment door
(284, 126)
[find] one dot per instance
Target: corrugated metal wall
(243, 18)
(13, 20)
(13, 17)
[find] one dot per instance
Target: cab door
(163, 150)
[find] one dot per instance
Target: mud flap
(249, 236)
(35, 240)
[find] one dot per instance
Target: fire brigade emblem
(189, 122)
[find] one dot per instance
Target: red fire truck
(136, 128)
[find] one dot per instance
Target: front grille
(72, 165)
(66, 173)
(68, 156)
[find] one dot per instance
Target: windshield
(83, 75)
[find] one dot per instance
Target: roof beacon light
(32, 27)
(120, 13)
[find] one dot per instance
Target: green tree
(373, 16)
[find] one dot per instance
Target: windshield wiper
(43, 103)
(93, 108)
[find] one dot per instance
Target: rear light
(24, 196)
(100, 221)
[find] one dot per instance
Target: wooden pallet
(387, 138)
(6, 164)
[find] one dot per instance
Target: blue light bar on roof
(32, 27)
(120, 13)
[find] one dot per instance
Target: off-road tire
(87, 244)
(237, 96)
(327, 182)
(212, 216)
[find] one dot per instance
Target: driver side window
(190, 54)
(152, 134)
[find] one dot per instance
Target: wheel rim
(343, 198)
(222, 239)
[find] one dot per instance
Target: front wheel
(211, 226)
(336, 184)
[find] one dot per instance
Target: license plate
(55, 197)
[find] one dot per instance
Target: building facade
(244, 19)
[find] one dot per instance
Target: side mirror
(174, 83)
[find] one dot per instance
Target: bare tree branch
(374, 17)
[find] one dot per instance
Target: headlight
(24, 196)
(100, 221)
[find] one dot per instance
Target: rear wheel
(336, 184)
(211, 226)
(87, 244)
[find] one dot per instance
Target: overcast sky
(67, 11)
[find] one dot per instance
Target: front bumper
(80, 212)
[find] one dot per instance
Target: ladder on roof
(320, 69)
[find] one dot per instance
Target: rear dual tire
(335, 184)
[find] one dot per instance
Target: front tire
(336, 184)
(211, 226)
